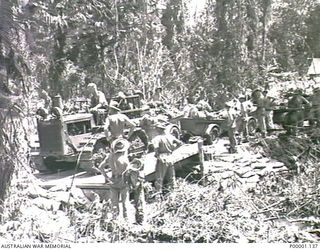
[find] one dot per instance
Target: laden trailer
(186, 159)
(210, 129)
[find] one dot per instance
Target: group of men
(259, 105)
(299, 108)
(127, 173)
(302, 108)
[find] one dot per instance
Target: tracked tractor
(65, 141)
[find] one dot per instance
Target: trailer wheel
(211, 136)
(252, 126)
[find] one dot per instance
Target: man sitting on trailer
(164, 144)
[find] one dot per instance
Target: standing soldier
(164, 144)
(136, 179)
(118, 161)
(116, 123)
(98, 103)
(231, 124)
(269, 104)
(297, 112)
(148, 125)
(259, 101)
(315, 109)
(244, 131)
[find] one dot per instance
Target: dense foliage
(61, 45)
(142, 44)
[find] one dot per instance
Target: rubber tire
(252, 127)
(212, 136)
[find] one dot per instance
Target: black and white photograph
(159, 121)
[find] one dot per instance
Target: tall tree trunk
(266, 9)
(8, 148)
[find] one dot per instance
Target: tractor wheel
(99, 152)
(175, 132)
(252, 126)
(211, 136)
(186, 137)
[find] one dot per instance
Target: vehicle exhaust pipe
(57, 102)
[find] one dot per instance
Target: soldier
(164, 144)
(259, 101)
(189, 107)
(297, 105)
(269, 104)
(47, 99)
(118, 161)
(315, 109)
(148, 125)
(158, 97)
(136, 179)
(98, 103)
(123, 102)
(231, 124)
(202, 100)
(243, 119)
(116, 123)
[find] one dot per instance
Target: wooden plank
(100, 186)
(67, 178)
(181, 153)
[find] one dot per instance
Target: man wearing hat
(164, 144)
(98, 103)
(118, 162)
(148, 124)
(231, 124)
(116, 123)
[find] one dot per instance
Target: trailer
(183, 158)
